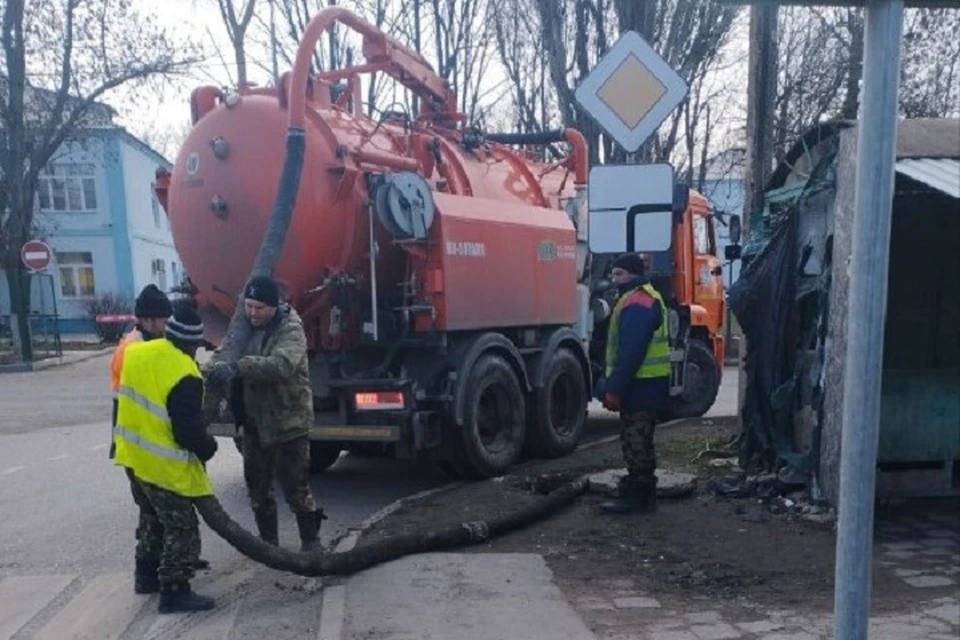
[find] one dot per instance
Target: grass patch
(687, 451)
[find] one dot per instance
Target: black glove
(209, 449)
(222, 373)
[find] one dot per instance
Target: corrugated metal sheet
(943, 174)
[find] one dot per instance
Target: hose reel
(405, 206)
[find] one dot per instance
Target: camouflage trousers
(168, 533)
(289, 461)
(636, 442)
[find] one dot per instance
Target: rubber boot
(309, 525)
(178, 597)
(637, 495)
(267, 526)
(145, 578)
(201, 565)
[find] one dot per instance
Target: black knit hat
(152, 303)
(263, 289)
(185, 327)
(631, 263)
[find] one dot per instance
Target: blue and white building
(724, 187)
(97, 211)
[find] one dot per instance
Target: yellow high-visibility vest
(656, 362)
(144, 433)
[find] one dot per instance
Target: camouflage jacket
(276, 394)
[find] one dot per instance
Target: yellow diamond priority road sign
(631, 91)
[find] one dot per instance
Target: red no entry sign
(36, 255)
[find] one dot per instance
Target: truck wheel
(559, 408)
(494, 419)
(700, 385)
(322, 455)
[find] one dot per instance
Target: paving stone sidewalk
(922, 550)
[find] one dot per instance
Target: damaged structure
(791, 302)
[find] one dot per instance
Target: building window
(67, 188)
(76, 274)
(159, 268)
(175, 271)
(158, 214)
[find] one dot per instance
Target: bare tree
(930, 78)
(688, 35)
(821, 67)
(59, 59)
(531, 107)
(236, 20)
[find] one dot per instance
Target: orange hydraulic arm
(382, 53)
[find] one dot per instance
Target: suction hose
(364, 557)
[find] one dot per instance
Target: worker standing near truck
(163, 444)
(637, 380)
(151, 309)
(272, 398)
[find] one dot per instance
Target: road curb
(52, 363)
(349, 539)
(333, 609)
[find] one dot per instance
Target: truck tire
(494, 419)
(700, 385)
(322, 455)
(559, 408)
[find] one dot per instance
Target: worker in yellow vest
(151, 310)
(161, 439)
(637, 380)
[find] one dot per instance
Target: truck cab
(684, 266)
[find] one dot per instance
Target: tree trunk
(19, 308)
(851, 99)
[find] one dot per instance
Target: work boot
(309, 525)
(637, 495)
(178, 597)
(267, 526)
(145, 578)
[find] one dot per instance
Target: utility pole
(870, 258)
(761, 98)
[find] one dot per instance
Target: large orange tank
(501, 240)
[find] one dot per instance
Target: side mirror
(732, 252)
(734, 229)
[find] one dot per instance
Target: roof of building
(935, 140)
(942, 174)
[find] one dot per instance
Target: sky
(201, 20)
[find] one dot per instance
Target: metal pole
(873, 203)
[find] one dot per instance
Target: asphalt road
(67, 531)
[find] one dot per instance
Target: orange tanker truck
(448, 292)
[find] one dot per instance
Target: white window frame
(159, 269)
(78, 185)
(74, 268)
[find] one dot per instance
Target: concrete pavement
(443, 596)
(67, 531)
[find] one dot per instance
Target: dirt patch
(734, 552)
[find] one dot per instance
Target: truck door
(707, 270)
